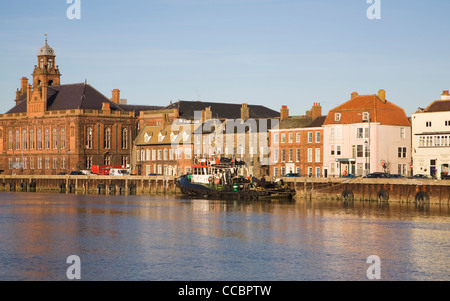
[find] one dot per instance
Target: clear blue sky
(268, 52)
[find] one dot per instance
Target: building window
(310, 137)
(125, 161)
(89, 138)
(337, 117)
(171, 154)
(275, 155)
(55, 163)
(402, 133)
(148, 155)
(332, 133)
(297, 170)
(47, 163)
(447, 123)
(63, 138)
(187, 153)
(317, 155)
(39, 165)
(362, 133)
(360, 151)
(88, 162)
(402, 169)
(39, 139)
(291, 137)
(55, 138)
(317, 172)
(31, 163)
(10, 140)
(298, 155)
(124, 138)
(166, 155)
(283, 155)
(317, 137)
(32, 140)
(107, 160)
(310, 172)
(24, 140)
(297, 138)
(63, 163)
(275, 139)
(402, 152)
(107, 139)
(332, 150)
(25, 163)
(338, 150)
(310, 155)
(283, 138)
(47, 139)
(428, 124)
(291, 155)
(17, 140)
(365, 116)
(283, 171)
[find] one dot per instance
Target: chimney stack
(445, 95)
(28, 93)
(44, 92)
(382, 95)
(316, 110)
(206, 114)
(284, 112)
(354, 95)
(116, 96)
(245, 112)
(23, 84)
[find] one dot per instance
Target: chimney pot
(116, 96)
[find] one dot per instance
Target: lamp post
(366, 148)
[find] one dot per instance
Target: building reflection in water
(169, 238)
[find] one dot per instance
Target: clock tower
(46, 72)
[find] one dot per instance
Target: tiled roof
(220, 110)
(77, 96)
(380, 112)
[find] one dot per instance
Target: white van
(119, 172)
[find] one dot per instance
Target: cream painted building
(431, 138)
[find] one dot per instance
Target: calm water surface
(168, 238)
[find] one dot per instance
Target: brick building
(56, 128)
(297, 144)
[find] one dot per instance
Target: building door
(433, 168)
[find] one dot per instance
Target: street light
(366, 144)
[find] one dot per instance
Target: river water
(174, 239)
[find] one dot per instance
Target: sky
(266, 52)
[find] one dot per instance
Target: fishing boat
(219, 178)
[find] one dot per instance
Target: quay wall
(392, 190)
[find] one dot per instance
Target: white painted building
(431, 138)
(367, 134)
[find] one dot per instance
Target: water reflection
(171, 238)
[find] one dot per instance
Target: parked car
(119, 172)
(377, 175)
(420, 176)
(292, 175)
(396, 176)
(76, 173)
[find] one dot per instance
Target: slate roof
(77, 96)
(150, 134)
(438, 106)
(221, 110)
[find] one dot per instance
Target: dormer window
(161, 137)
(147, 138)
(185, 136)
(365, 116)
(337, 117)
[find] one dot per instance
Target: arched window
(17, 140)
(55, 139)
(89, 138)
(63, 138)
(50, 64)
(41, 64)
(10, 140)
(47, 139)
(124, 138)
(24, 140)
(31, 139)
(39, 139)
(107, 138)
